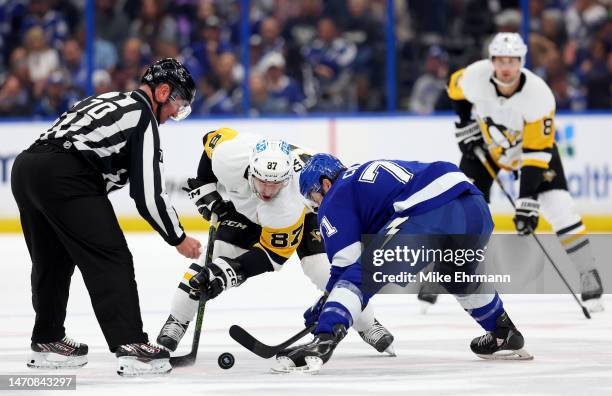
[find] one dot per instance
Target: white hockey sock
(365, 320)
(558, 208)
(183, 306)
(576, 243)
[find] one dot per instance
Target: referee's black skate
(65, 353)
(503, 343)
(310, 357)
(142, 358)
(171, 333)
(379, 338)
(591, 290)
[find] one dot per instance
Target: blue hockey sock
(332, 314)
(487, 315)
(343, 304)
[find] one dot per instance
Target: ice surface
(572, 355)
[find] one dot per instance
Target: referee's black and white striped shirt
(117, 134)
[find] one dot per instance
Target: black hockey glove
(312, 314)
(527, 213)
(222, 274)
(208, 200)
(469, 136)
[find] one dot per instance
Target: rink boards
(584, 142)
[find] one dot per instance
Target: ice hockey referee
(61, 184)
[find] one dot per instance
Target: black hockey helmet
(171, 72)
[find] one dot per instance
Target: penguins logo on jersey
(316, 235)
(501, 136)
(549, 175)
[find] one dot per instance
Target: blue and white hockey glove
(311, 316)
(526, 215)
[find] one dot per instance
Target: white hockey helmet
(508, 44)
(270, 163)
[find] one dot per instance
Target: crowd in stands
(305, 56)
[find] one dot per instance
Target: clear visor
(183, 108)
(308, 198)
(310, 204)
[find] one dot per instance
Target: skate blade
(518, 354)
(284, 365)
(130, 366)
(50, 360)
(390, 351)
(594, 305)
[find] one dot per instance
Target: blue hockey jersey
(367, 196)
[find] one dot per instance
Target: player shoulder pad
(213, 139)
(475, 80)
(538, 99)
(231, 160)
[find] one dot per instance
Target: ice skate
(171, 333)
(142, 359)
(309, 357)
(503, 343)
(592, 290)
(65, 353)
(379, 338)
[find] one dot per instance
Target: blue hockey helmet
(318, 167)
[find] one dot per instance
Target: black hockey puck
(226, 360)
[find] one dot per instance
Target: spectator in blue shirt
(329, 58)
(210, 45)
(270, 35)
(52, 22)
(54, 102)
(74, 67)
(284, 94)
(213, 99)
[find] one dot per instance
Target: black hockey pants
(67, 220)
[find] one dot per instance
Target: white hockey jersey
(519, 130)
(281, 219)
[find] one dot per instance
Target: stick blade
(182, 361)
(242, 337)
(586, 313)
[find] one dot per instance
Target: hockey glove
(222, 274)
(527, 213)
(312, 314)
(469, 136)
(208, 200)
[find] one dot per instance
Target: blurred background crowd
(305, 56)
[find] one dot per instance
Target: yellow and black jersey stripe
(455, 92)
(214, 138)
(538, 140)
(211, 141)
(280, 243)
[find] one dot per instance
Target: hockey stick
(260, 349)
(483, 159)
(190, 358)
